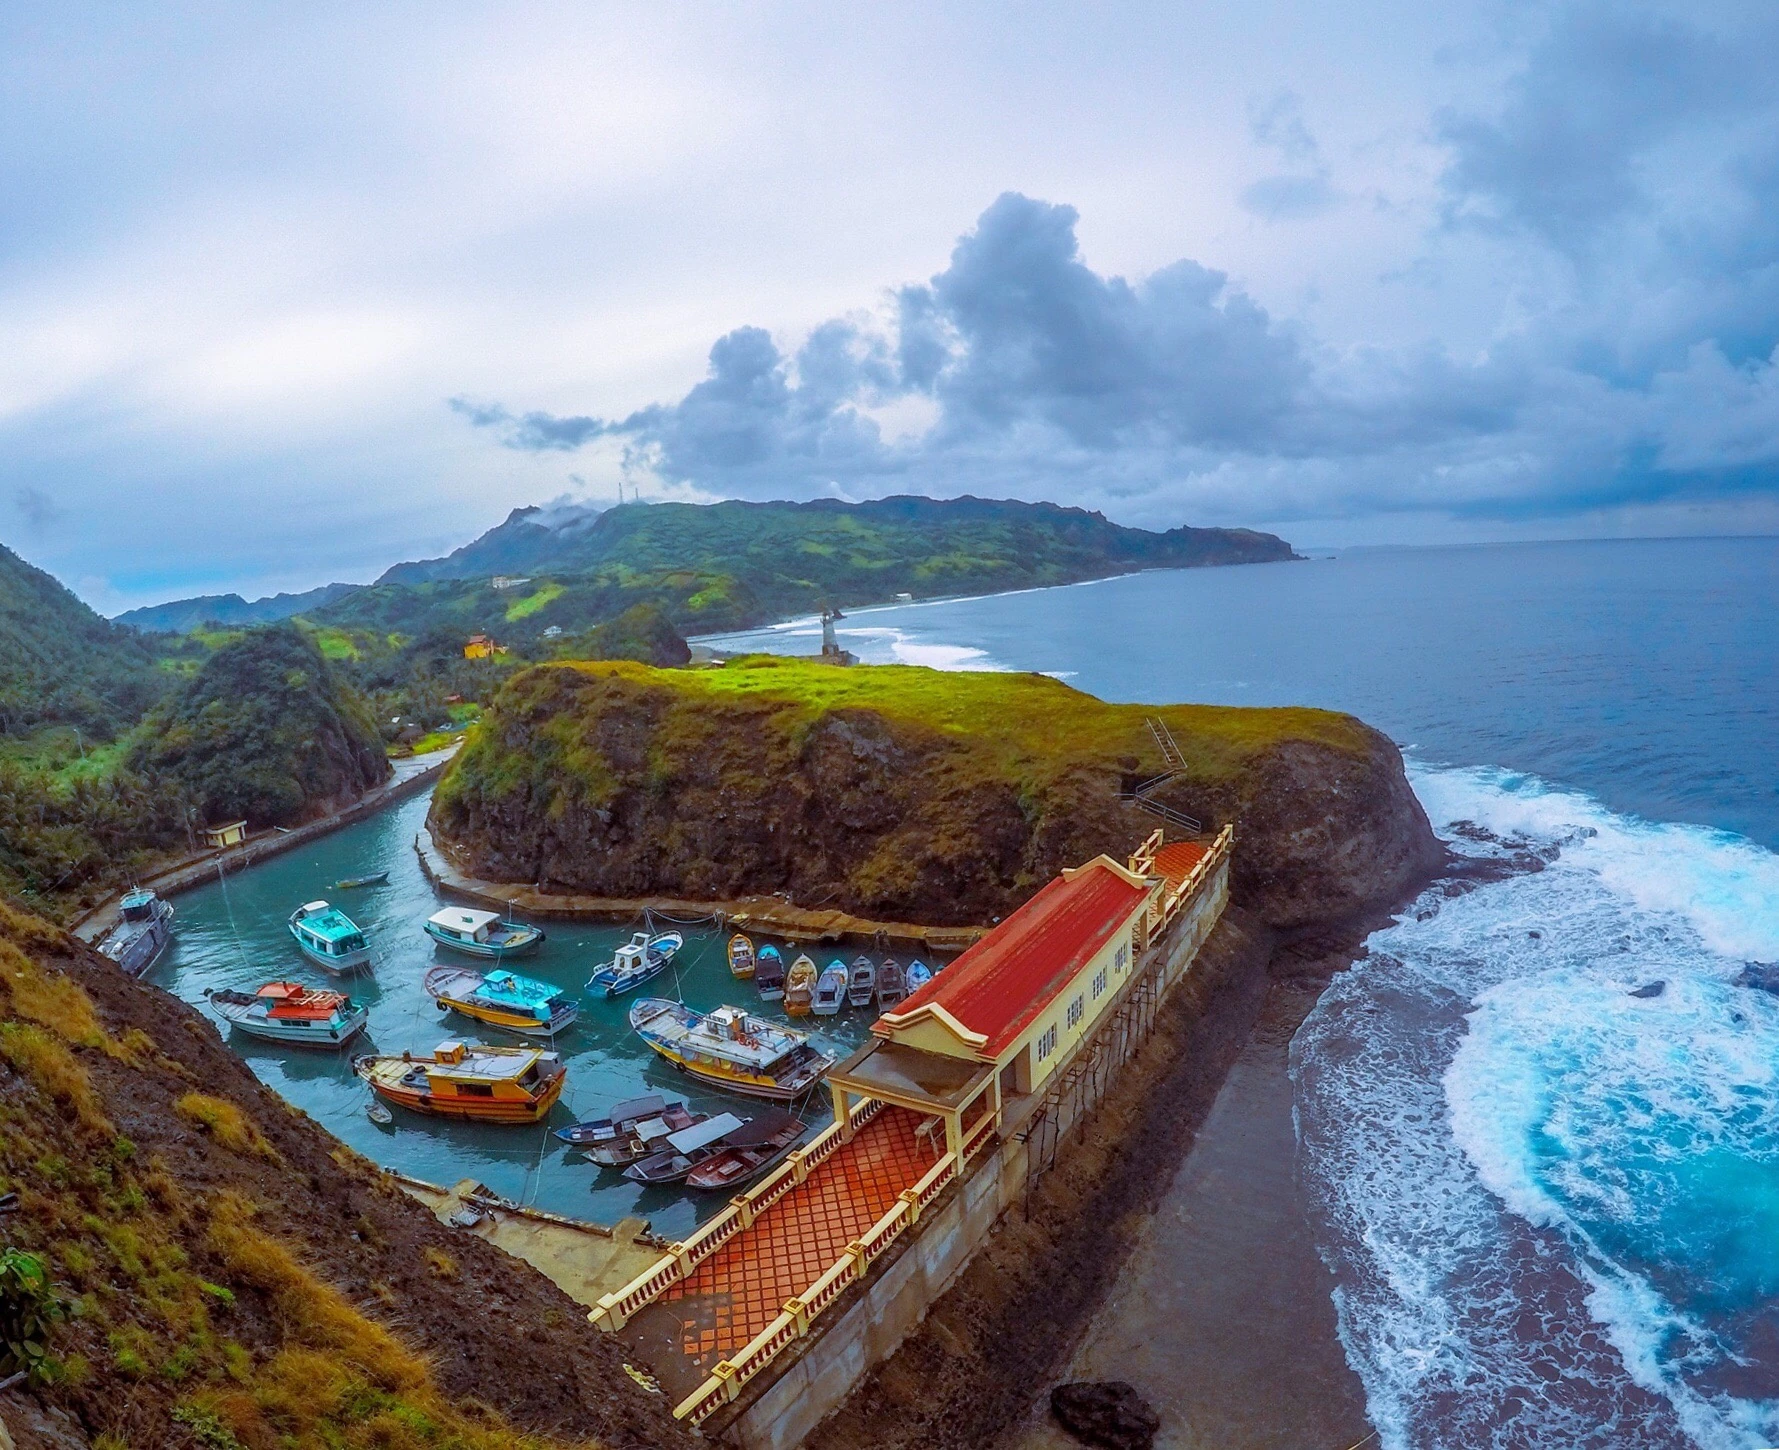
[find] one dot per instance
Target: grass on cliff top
(1027, 716)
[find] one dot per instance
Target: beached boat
(892, 986)
(741, 956)
(746, 1151)
(861, 986)
(291, 1012)
(919, 974)
(639, 960)
(685, 1150)
(144, 927)
(329, 938)
(728, 1048)
(503, 999)
(799, 987)
(487, 1084)
(769, 974)
(830, 991)
(352, 883)
(481, 933)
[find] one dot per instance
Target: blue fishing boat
(503, 999)
(639, 960)
(481, 933)
(144, 927)
(329, 938)
(919, 974)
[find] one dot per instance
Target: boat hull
(288, 1034)
(511, 1020)
(749, 1085)
(485, 951)
(497, 1110)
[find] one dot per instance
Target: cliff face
(243, 1279)
(905, 793)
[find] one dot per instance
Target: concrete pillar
(744, 1208)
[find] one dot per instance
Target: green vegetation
(268, 731)
(891, 791)
(642, 633)
(29, 1310)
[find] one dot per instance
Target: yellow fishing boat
(727, 1048)
(799, 987)
(460, 1080)
(741, 956)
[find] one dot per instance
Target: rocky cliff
(905, 793)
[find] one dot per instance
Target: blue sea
(1551, 1208)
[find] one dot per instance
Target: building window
(1099, 983)
(1122, 960)
(1075, 1010)
(1047, 1042)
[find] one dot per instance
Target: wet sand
(1221, 1317)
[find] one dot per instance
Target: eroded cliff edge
(907, 793)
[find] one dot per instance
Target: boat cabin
(484, 1073)
(464, 925)
(327, 931)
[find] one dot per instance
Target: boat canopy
(461, 921)
(702, 1135)
(643, 1107)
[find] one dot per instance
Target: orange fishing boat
(463, 1080)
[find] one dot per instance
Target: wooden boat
(919, 974)
(291, 1012)
(685, 1150)
(769, 974)
(830, 991)
(647, 1138)
(799, 987)
(481, 933)
(378, 1114)
(353, 883)
(747, 1150)
(144, 928)
(329, 938)
(892, 986)
(503, 999)
(620, 1120)
(861, 986)
(741, 956)
(639, 960)
(486, 1084)
(729, 1048)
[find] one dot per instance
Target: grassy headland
(901, 792)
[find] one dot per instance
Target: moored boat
(684, 1150)
(892, 986)
(639, 960)
(861, 985)
(503, 999)
(747, 1150)
(643, 1136)
(830, 991)
(741, 956)
(729, 1048)
(621, 1119)
(799, 987)
(352, 883)
(329, 938)
(481, 933)
(919, 974)
(769, 974)
(144, 927)
(291, 1012)
(459, 1080)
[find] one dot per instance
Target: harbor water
(232, 933)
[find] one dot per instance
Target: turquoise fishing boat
(329, 938)
(503, 999)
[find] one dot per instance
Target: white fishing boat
(291, 1012)
(729, 1048)
(830, 991)
(861, 986)
(639, 960)
(481, 933)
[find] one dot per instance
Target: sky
(290, 293)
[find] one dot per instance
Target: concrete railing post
(861, 1260)
(912, 1199)
(799, 1313)
(725, 1374)
(744, 1209)
(683, 1258)
(799, 1167)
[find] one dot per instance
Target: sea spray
(1551, 1205)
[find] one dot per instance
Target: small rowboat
(746, 1151)
(741, 956)
(861, 986)
(291, 1012)
(830, 991)
(892, 986)
(620, 1120)
(769, 974)
(799, 987)
(487, 1084)
(481, 933)
(352, 883)
(328, 937)
(503, 999)
(729, 1048)
(639, 960)
(685, 1150)
(919, 974)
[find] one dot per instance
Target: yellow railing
(1207, 863)
(792, 1323)
(676, 1265)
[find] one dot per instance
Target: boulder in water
(1651, 989)
(1109, 1413)
(1762, 976)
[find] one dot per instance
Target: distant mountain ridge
(180, 616)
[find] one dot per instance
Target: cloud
(38, 508)
(1304, 190)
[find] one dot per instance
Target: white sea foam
(1536, 1189)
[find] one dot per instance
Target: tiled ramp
(740, 1289)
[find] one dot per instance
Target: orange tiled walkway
(741, 1288)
